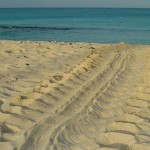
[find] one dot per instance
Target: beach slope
(74, 96)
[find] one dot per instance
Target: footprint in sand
(58, 77)
(8, 51)
(51, 81)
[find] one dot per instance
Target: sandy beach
(74, 96)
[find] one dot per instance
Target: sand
(74, 96)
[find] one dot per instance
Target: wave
(36, 28)
(68, 28)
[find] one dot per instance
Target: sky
(76, 3)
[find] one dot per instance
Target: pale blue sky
(75, 3)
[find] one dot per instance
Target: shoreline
(71, 95)
(72, 42)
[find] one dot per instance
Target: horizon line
(80, 7)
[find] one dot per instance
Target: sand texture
(74, 96)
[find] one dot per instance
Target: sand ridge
(84, 96)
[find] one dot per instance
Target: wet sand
(74, 96)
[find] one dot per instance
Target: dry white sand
(74, 96)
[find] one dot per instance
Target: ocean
(96, 25)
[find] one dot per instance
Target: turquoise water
(99, 25)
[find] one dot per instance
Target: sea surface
(98, 25)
